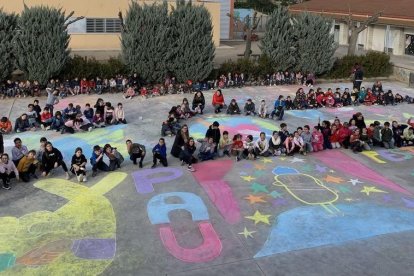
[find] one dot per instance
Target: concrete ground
(328, 213)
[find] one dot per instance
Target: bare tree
(250, 25)
(355, 29)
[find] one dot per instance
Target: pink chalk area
(208, 251)
(341, 162)
(210, 177)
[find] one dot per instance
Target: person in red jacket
(5, 125)
(344, 133)
(370, 98)
(335, 137)
(84, 85)
(218, 101)
(46, 119)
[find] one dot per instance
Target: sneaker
(94, 174)
(67, 176)
(237, 158)
(34, 176)
(42, 126)
(140, 165)
(48, 128)
(153, 166)
(79, 178)
(6, 186)
(90, 129)
(191, 169)
(182, 163)
(85, 179)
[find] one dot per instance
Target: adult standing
(358, 76)
(181, 139)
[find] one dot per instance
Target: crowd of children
(69, 120)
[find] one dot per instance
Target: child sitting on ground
(225, 145)
(233, 108)
(317, 139)
(206, 149)
(237, 147)
(249, 149)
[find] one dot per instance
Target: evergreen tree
(8, 23)
(192, 41)
(315, 44)
(278, 41)
(145, 41)
(42, 41)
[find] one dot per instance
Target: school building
(100, 29)
(393, 33)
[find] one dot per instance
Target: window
(409, 44)
(103, 25)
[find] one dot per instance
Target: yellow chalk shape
(87, 214)
(374, 156)
(316, 187)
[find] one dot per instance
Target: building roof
(394, 12)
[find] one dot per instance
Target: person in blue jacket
(279, 108)
(160, 153)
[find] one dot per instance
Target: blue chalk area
(158, 209)
(284, 170)
(307, 227)
(7, 260)
(311, 114)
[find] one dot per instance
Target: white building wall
(378, 38)
(224, 19)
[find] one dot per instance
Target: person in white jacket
(262, 146)
(298, 143)
(7, 171)
(263, 110)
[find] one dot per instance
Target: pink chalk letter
(208, 251)
(342, 162)
(210, 176)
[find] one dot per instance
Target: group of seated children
(70, 120)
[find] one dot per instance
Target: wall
(103, 9)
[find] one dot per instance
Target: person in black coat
(199, 102)
(359, 120)
(181, 139)
(214, 132)
(186, 155)
(52, 158)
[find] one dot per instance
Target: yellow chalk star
(372, 189)
(267, 160)
(333, 179)
(258, 217)
(248, 178)
(246, 233)
(259, 167)
(254, 199)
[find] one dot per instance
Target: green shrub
(374, 64)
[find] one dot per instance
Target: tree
(192, 42)
(8, 24)
(250, 25)
(315, 44)
(356, 27)
(146, 41)
(278, 41)
(41, 43)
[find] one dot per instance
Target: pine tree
(315, 44)
(8, 24)
(145, 41)
(42, 42)
(278, 41)
(192, 41)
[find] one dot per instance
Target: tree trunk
(248, 49)
(353, 39)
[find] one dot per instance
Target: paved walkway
(329, 213)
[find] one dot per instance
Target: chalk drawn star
(371, 189)
(254, 199)
(248, 178)
(408, 203)
(275, 194)
(297, 160)
(355, 181)
(259, 173)
(333, 179)
(320, 169)
(344, 189)
(246, 233)
(259, 167)
(279, 202)
(259, 217)
(257, 188)
(387, 198)
(267, 160)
